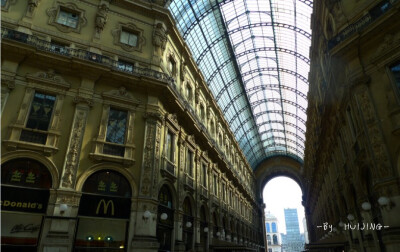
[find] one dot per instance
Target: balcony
(188, 183)
(168, 169)
(43, 45)
(203, 192)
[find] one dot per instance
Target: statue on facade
(32, 4)
(159, 38)
(101, 18)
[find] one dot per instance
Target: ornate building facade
(111, 139)
(352, 160)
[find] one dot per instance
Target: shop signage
(103, 206)
(24, 200)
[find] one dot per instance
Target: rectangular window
(3, 3)
(68, 18)
(128, 38)
(39, 118)
(169, 147)
(395, 69)
(215, 185)
(189, 163)
(204, 167)
(116, 130)
(223, 192)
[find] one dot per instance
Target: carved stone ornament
(390, 42)
(159, 38)
(32, 4)
(54, 12)
(73, 152)
(49, 77)
(130, 28)
(148, 159)
(101, 18)
(121, 94)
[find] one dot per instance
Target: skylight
(254, 56)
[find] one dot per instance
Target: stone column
(144, 235)
(59, 227)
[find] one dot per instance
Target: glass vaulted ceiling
(254, 55)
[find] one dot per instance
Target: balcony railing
(189, 182)
(47, 46)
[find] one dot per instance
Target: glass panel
(20, 230)
(67, 18)
(41, 111)
(3, 3)
(396, 74)
(270, 41)
(116, 126)
(99, 234)
(107, 182)
(128, 38)
(25, 172)
(168, 146)
(189, 163)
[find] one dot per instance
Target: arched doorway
(165, 219)
(216, 233)
(104, 212)
(187, 224)
(25, 185)
(284, 214)
(203, 229)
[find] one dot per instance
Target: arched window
(275, 239)
(188, 223)
(104, 212)
(165, 219)
(25, 187)
(269, 239)
(268, 227)
(25, 172)
(273, 225)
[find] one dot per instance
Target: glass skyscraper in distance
(292, 241)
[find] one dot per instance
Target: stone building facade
(111, 139)
(352, 161)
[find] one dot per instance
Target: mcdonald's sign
(104, 206)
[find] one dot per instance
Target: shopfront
(25, 185)
(165, 219)
(104, 212)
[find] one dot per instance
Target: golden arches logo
(105, 206)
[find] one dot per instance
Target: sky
(283, 192)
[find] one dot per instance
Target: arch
(107, 166)
(114, 184)
(204, 210)
(276, 166)
(38, 157)
(273, 227)
(187, 206)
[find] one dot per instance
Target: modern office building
(153, 125)
(292, 241)
(274, 241)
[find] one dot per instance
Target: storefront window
(24, 198)
(165, 219)
(104, 212)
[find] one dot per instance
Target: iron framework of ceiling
(254, 57)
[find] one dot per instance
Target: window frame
(123, 100)
(129, 34)
(54, 14)
(395, 85)
(48, 83)
(67, 12)
(132, 29)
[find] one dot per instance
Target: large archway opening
(285, 222)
